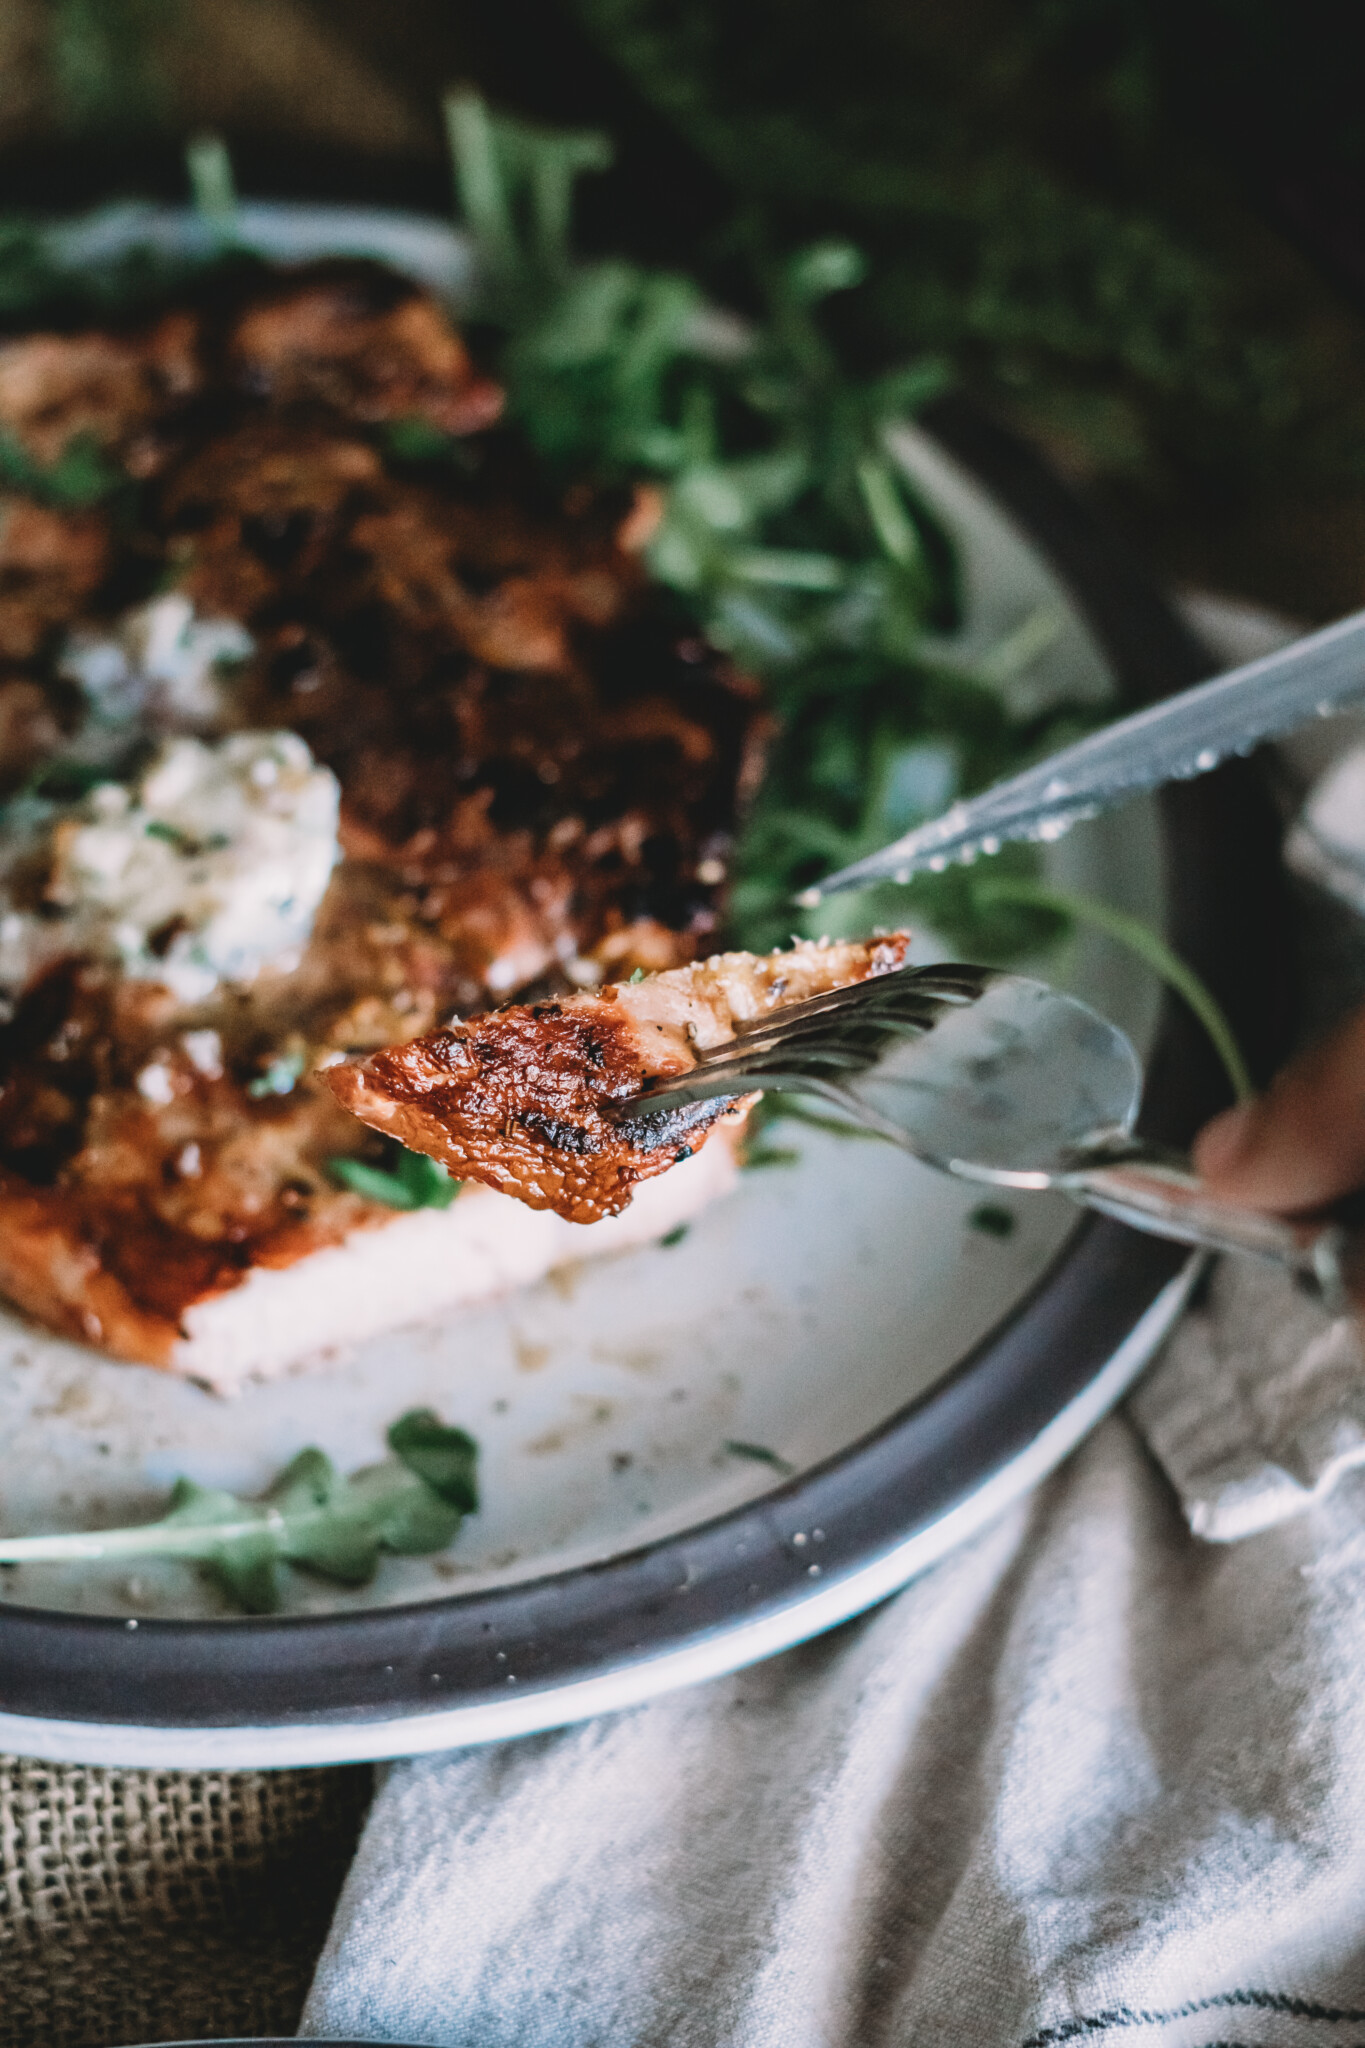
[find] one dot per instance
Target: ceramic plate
(907, 1372)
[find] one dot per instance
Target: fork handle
(1157, 1191)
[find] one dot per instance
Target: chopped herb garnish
(185, 842)
(279, 1077)
(638, 975)
(675, 1235)
(992, 1221)
(311, 1517)
(65, 781)
(82, 475)
(414, 1181)
(157, 828)
(759, 1454)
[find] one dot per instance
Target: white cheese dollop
(208, 867)
(161, 666)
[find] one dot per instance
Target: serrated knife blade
(1184, 735)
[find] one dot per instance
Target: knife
(1183, 736)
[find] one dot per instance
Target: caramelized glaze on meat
(366, 346)
(542, 766)
(138, 1173)
(108, 389)
(518, 1099)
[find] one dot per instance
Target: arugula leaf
(211, 182)
(445, 1457)
(417, 440)
(413, 1182)
(311, 1517)
(789, 529)
(25, 269)
(82, 474)
(992, 1220)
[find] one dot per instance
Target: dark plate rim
(380, 1665)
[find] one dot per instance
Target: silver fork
(997, 1079)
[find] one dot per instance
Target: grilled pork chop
(517, 1099)
(514, 766)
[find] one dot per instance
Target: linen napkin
(1257, 1407)
(1088, 1780)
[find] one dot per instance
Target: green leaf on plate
(312, 1517)
(440, 1454)
(759, 1454)
(413, 1182)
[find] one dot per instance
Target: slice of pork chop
(388, 1269)
(517, 1098)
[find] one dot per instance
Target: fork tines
(896, 994)
(846, 1030)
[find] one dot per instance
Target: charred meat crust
(541, 764)
(118, 1212)
(518, 1099)
(349, 341)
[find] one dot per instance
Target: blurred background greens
(1136, 227)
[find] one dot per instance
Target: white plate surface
(798, 1314)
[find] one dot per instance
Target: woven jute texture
(156, 1906)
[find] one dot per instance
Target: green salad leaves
(312, 1517)
(787, 523)
(790, 527)
(785, 518)
(412, 1182)
(82, 475)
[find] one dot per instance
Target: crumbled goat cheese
(160, 667)
(204, 1051)
(208, 868)
(155, 1085)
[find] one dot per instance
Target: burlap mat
(153, 1906)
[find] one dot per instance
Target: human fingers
(1302, 1144)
